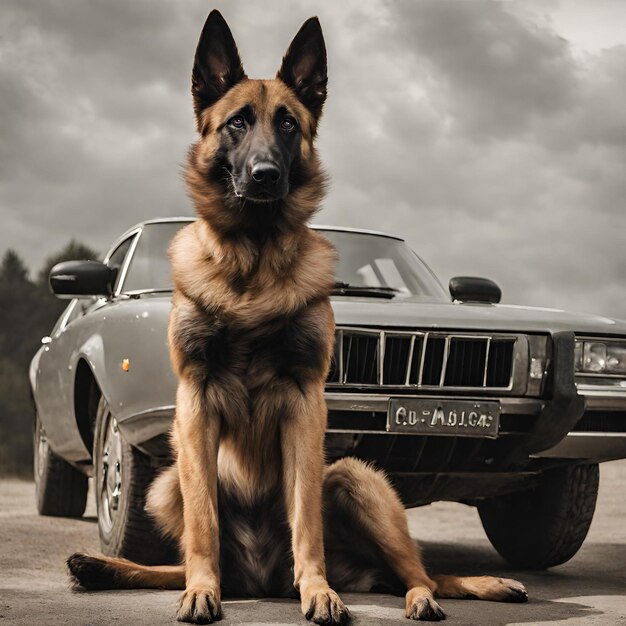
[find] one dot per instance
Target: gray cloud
(496, 71)
(470, 127)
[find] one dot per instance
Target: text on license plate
(459, 418)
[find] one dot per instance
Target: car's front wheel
(122, 475)
(544, 526)
(60, 489)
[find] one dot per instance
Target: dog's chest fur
(252, 352)
(272, 330)
(289, 347)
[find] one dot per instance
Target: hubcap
(110, 487)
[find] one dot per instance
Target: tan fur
(288, 273)
(355, 488)
(291, 273)
(251, 335)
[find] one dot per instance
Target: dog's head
(256, 144)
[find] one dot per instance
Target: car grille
(377, 358)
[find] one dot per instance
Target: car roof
(344, 229)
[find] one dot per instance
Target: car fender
(32, 372)
(129, 359)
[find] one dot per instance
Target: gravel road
(589, 590)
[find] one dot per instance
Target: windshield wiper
(346, 289)
(137, 293)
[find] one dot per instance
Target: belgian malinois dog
(251, 333)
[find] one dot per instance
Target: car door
(56, 371)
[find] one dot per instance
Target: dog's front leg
(197, 437)
(302, 442)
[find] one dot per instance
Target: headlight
(600, 357)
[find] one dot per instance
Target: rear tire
(545, 526)
(122, 476)
(60, 489)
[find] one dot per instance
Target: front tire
(122, 476)
(60, 489)
(545, 526)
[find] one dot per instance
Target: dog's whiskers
(232, 181)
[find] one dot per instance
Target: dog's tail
(102, 572)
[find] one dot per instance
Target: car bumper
(337, 401)
(589, 446)
(601, 433)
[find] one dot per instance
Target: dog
(251, 335)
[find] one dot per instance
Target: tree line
(28, 311)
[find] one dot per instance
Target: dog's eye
(288, 124)
(237, 121)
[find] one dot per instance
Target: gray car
(506, 408)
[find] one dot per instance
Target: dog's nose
(265, 173)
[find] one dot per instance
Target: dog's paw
(508, 590)
(420, 605)
(199, 606)
(89, 573)
(326, 607)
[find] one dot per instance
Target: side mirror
(474, 289)
(81, 278)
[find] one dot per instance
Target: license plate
(430, 416)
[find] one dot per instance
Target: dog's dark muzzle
(267, 182)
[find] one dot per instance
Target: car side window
(64, 318)
(117, 257)
(74, 314)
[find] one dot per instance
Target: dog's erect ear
(304, 66)
(217, 66)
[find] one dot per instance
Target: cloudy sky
(492, 135)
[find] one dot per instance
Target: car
(506, 408)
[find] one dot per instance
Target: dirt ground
(589, 590)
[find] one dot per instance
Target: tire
(122, 475)
(547, 525)
(60, 489)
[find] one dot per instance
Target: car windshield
(368, 265)
(379, 263)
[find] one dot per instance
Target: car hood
(412, 313)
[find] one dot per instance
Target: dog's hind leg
(100, 572)
(480, 588)
(164, 502)
(362, 500)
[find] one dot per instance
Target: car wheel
(547, 525)
(60, 489)
(122, 475)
